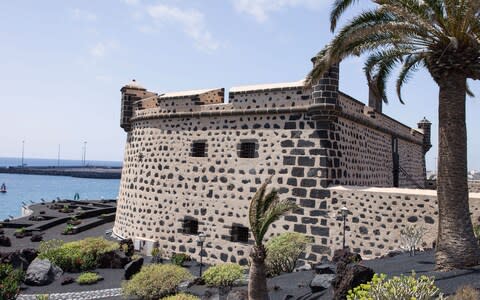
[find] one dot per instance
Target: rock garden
(43, 260)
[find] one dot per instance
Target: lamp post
(201, 240)
(344, 212)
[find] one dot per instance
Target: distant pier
(100, 172)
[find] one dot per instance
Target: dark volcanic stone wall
(163, 184)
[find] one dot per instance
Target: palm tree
(265, 209)
(442, 36)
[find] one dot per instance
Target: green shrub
(155, 281)
(10, 280)
(181, 296)
(88, 278)
(179, 258)
(136, 256)
(223, 275)
(399, 288)
(283, 252)
(42, 297)
(68, 229)
(77, 255)
(20, 230)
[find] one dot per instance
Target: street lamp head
(201, 237)
(344, 211)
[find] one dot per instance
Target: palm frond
(266, 208)
(339, 7)
(411, 65)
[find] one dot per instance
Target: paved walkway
(99, 294)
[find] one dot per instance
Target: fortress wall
(366, 155)
(379, 214)
(162, 183)
(365, 113)
(413, 162)
(474, 186)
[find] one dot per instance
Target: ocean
(27, 188)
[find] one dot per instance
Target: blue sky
(64, 62)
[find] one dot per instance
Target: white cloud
(261, 9)
(83, 15)
(100, 49)
(191, 21)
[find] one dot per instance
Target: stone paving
(98, 294)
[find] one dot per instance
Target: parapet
(274, 98)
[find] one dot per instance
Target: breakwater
(99, 172)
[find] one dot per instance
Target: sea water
(32, 188)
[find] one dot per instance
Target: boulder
(42, 272)
(133, 268)
(352, 276)
(321, 282)
(113, 260)
(238, 295)
(5, 241)
(19, 259)
(29, 253)
(345, 255)
(325, 269)
(211, 294)
(36, 238)
(67, 280)
(130, 248)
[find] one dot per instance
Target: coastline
(98, 172)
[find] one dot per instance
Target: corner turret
(131, 93)
(426, 126)
(325, 94)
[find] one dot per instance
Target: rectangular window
(247, 150)
(239, 234)
(190, 226)
(199, 149)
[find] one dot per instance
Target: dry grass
(466, 293)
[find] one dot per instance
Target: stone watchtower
(426, 126)
(131, 92)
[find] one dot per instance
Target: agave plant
(265, 209)
(442, 36)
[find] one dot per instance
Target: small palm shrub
(42, 297)
(466, 293)
(10, 280)
(283, 252)
(179, 258)
(399, 288)
(77, 255)
(181, 296)
(88, 278)
(223, 275)
(155, 281)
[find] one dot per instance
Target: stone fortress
(193, 161)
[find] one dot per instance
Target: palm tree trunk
(257, 284)
(456, 243)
